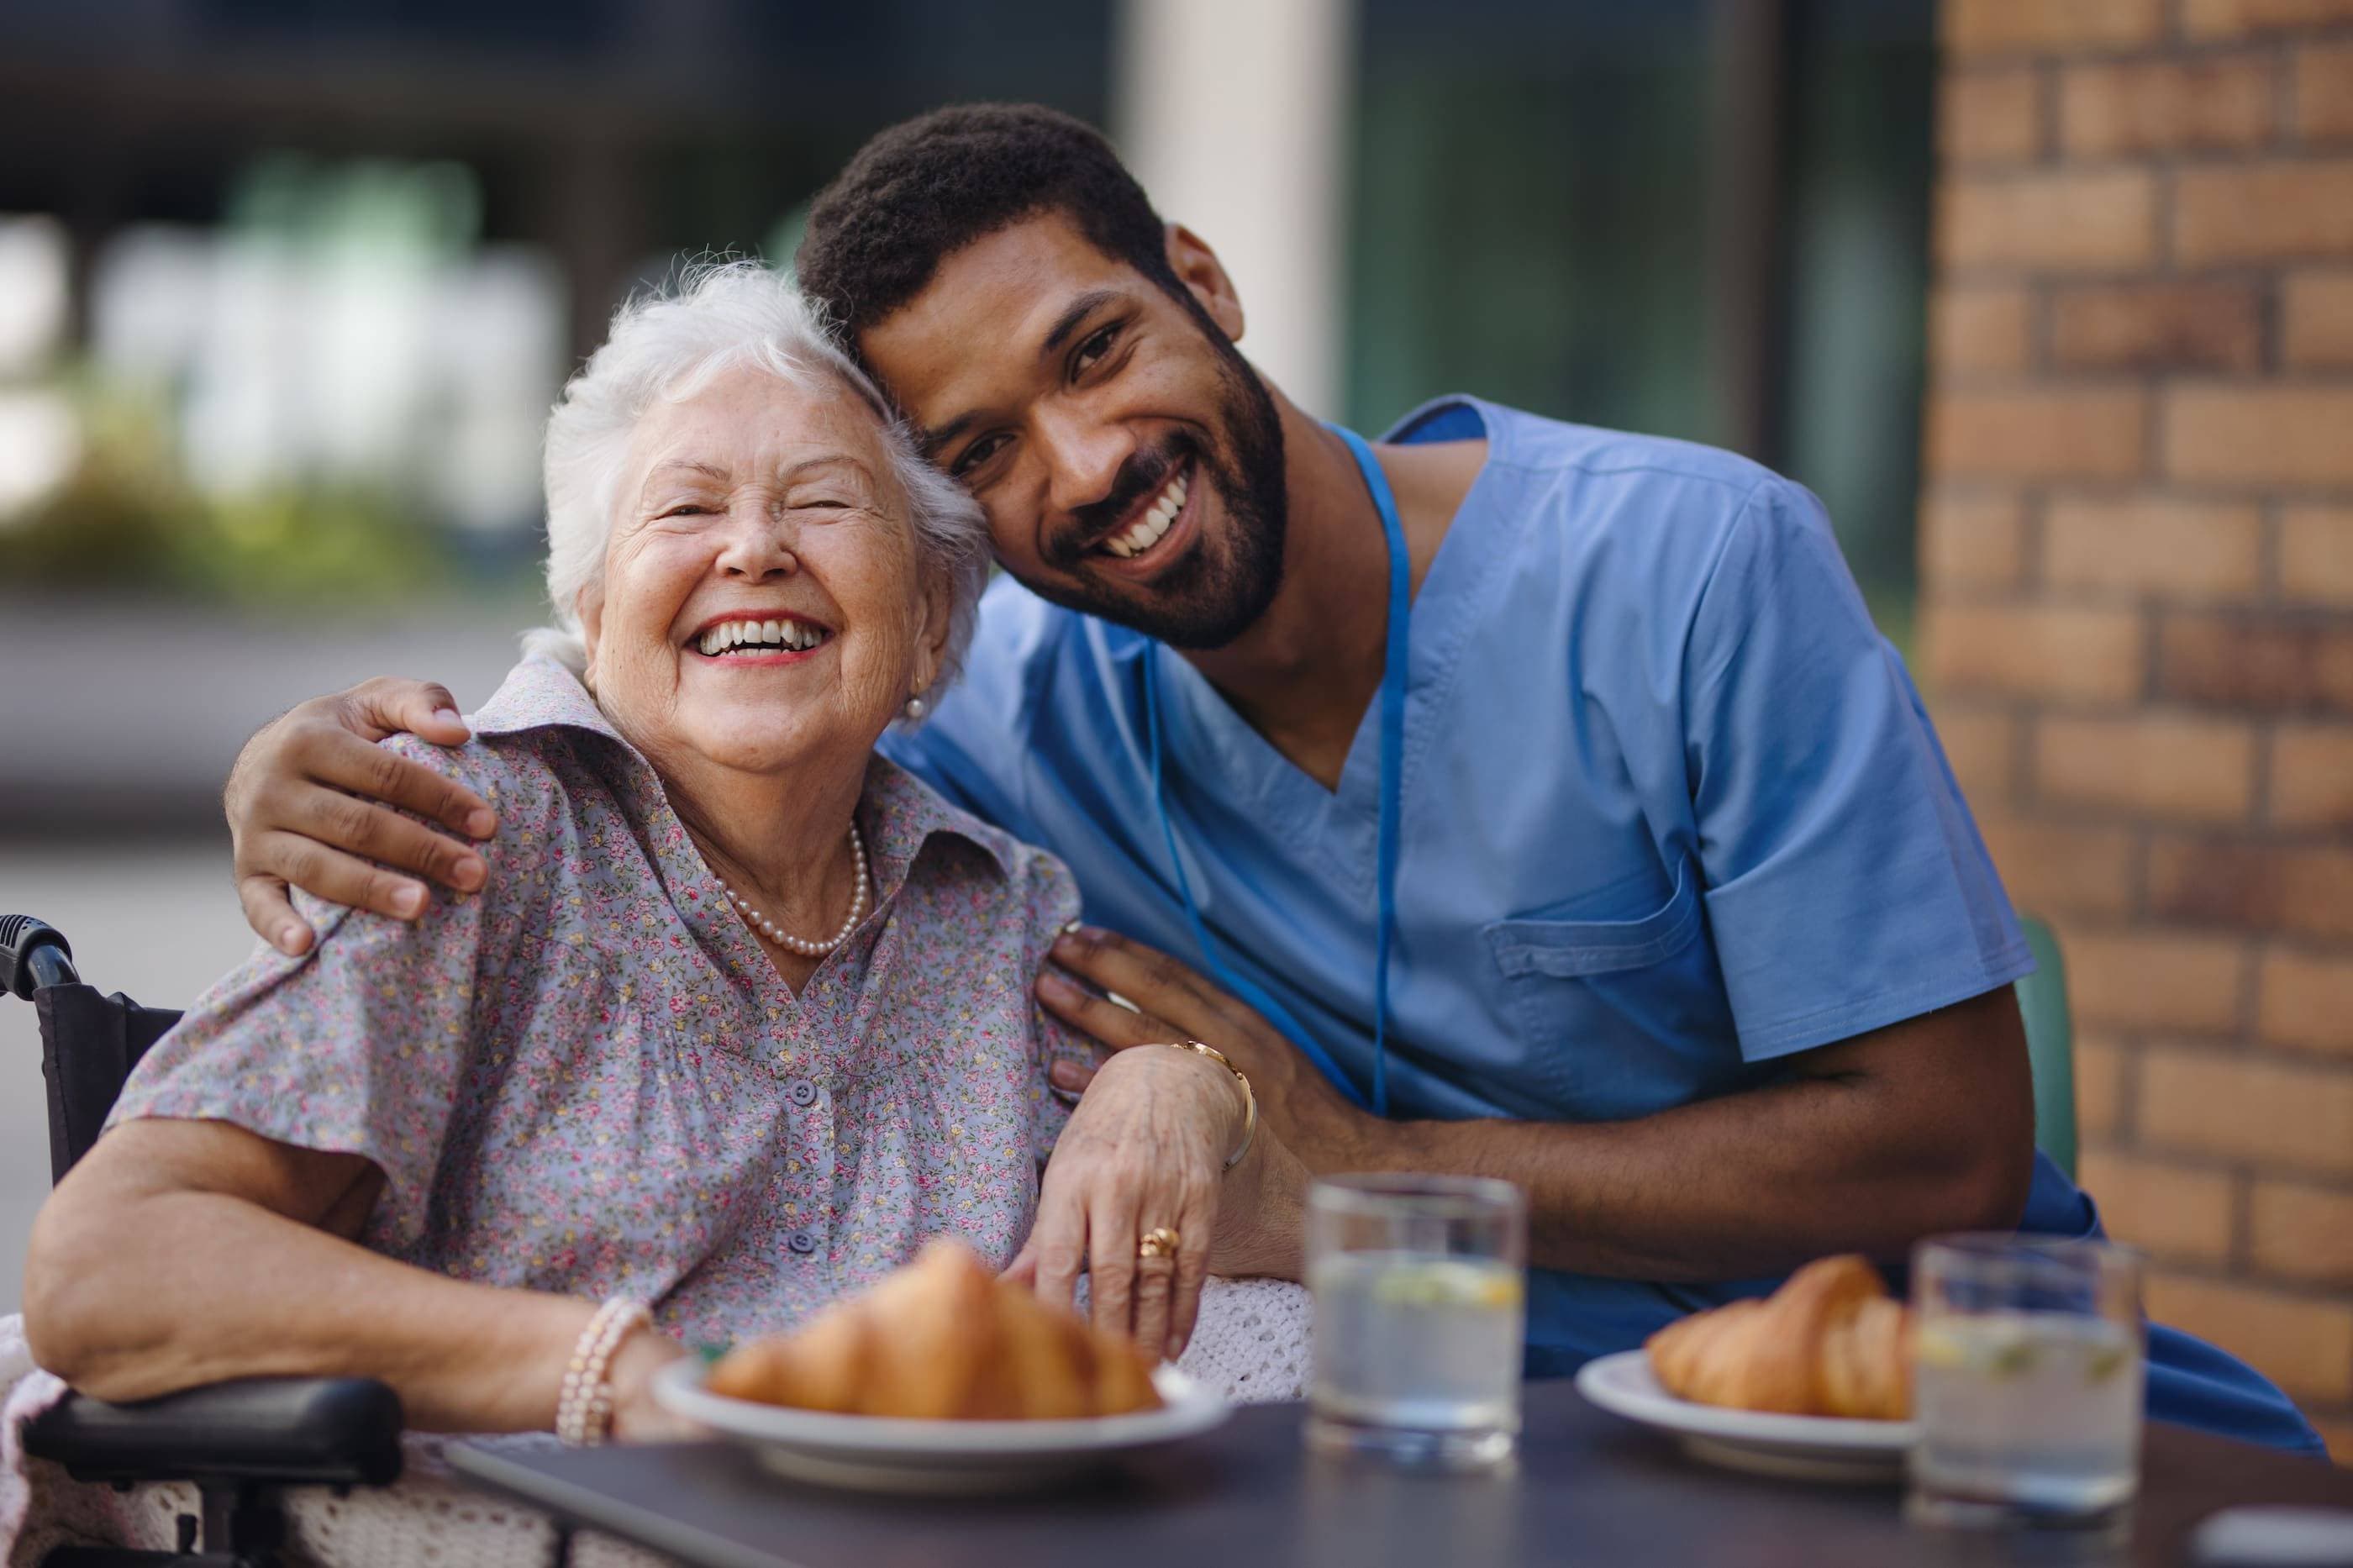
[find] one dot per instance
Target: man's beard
(1212, 596)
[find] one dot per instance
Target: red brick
(1981, 745)
(2316, 554)
(2153, 544)
(2301, 1232)
(2170, 1210)
(2246, 1108)
(2164, 106)
(2152, 980)
(2317, 320)
(2219, 433)
(2059, 651)
(2304, 1345)
(2156, 326)
(1990, 117)
(2100, 1066)
(1972, 542)
(1984, 27)
(2092, 433)
(2276, 210)
(2272, 662)
(2098, 221)
(2307, 890)
(2307, 1000)
(2062, 867)
(2234, 18)
(2156, 764)
(2312, 776)
(2323, 92)
(1978, 329)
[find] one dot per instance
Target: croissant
(1829, 1341)
(943, 1339)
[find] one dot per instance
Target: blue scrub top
(1672, 811)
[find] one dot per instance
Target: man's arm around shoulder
(310, 803)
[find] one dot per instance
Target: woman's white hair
(668, 345)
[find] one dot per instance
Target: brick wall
(2137, 609)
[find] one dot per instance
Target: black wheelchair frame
(240, 1443)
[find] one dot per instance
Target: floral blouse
(589, 1079)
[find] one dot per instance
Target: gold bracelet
(1250, 1100)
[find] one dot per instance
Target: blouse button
(801, 1092)
(801, 1242)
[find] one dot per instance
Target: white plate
(876, 1452)
(1809, 1448)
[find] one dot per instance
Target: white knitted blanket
(1250, 1344)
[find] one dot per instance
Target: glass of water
(1420, 1287)
(2027, 1362)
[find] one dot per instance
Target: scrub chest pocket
(1619, 1017)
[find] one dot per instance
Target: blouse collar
(899, 814)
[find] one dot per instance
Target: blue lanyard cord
(1392, 713)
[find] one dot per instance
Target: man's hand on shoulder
(309, 803)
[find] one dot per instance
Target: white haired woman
(742, 1015)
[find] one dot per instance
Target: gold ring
(1159, 1242)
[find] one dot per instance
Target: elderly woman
(742, 1014)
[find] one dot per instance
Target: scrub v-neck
(1337, 826)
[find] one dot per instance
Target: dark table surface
(1587, 1487)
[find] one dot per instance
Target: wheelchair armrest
(287, 1431)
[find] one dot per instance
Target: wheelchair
(241, 1444)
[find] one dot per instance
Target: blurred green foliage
(127, 516)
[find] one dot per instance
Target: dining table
(1585, 1487)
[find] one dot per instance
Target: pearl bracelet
(584, 1410)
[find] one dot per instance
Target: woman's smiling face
(765, 599)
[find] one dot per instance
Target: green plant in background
(128, 518)
(285, 541)
(115, 518)
(307, 523)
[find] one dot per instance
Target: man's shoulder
(1025, 647)
(1016, 628)
(1538, 444)
(1040, 684)
(1629, 514)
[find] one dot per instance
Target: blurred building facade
(2137, 609)
(313, 269)
(286, 285)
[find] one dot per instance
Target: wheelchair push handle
(33, 954)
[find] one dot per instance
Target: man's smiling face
(1129, 458)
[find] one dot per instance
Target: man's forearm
(1862, 1145)
(1746, 1185)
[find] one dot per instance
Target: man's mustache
(1144, 474)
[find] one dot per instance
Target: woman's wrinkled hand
(1146, 1148)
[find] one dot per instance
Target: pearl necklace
(761, 923)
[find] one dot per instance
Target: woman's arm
(179, 1253)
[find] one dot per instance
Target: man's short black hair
(924, 189)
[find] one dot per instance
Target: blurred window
(1537, 218)
(343, 328)
(33, 266)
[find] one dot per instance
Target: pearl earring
(916, 709)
